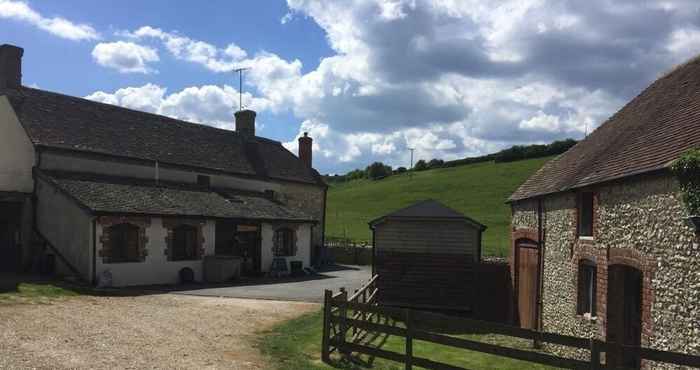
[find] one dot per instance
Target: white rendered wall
(156, 269)
(66, 226)
(16, 152)
(303, 233)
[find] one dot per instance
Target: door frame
(518, 244)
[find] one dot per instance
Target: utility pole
(410, 170)
(240, 86)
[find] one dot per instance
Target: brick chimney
(245, 122)
(10, 66)
(305, 150)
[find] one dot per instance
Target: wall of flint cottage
(638, 222)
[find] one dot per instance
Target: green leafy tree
(378, 170)
(421, 165)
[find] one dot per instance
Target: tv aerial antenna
(240, 85)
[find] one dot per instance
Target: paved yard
(162, 331)
(305, 290)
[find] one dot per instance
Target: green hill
(479, 190)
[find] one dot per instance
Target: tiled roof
(427, 209)
(646, 135)
(113, 195)
(67, 122)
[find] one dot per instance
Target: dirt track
(146, 332)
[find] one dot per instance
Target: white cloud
(61, 27)
(208, 104)
(125, 57)
(195, 51)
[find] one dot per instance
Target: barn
(425, 256)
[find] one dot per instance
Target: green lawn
(296, 345)
(479, 190)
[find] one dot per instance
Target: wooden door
(527, 277)
(624, 318)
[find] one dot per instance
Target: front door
(624, 314)
(527, 277)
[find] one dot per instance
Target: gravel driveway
(308, 289)
(145, 332)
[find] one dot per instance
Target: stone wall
(310, 199)
(638, 222)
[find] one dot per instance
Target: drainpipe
(540, 268)
(35, 201)
(94, 251)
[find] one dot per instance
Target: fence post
(343, 306)
(595, 354)
(325, 345)
(409, 338)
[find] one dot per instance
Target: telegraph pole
(240, 86)
(411, 168)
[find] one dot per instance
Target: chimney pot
(10, 66)
(245, 122)
(305, 150)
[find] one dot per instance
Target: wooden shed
(425, 255)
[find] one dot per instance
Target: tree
(420, 166)
(435, 163)
(400, 170)
(378, 170)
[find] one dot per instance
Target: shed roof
(66, 122)
(427, 209)
(115, 195)
(646, 135)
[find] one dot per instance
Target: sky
(367, 79)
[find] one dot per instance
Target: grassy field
(478, 190)
(296, 345)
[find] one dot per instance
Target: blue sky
(368, 79)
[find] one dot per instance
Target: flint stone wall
(638, 222)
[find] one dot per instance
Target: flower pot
(694, 221)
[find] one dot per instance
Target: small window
(585, 214)
(203, 180)
(284, 243)
(587, 288)
(123, 244)
(184, 244)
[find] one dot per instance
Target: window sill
(586, 239)
(587, 317)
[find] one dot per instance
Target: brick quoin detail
(633, 258)
(584, 251)
(516, 235)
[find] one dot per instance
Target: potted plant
(687, 170)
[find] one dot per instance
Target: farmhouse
(425, 256)
(102, 188)
(601, 243)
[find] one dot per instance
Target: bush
(400, 170)
(687, 170)
(421, 166)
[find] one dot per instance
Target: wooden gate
(527, 278)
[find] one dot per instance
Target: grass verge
(35, 293)
(296, 345)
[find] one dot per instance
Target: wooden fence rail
(347, 320)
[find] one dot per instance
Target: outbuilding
(425, 256)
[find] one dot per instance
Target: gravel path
(147, 332)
